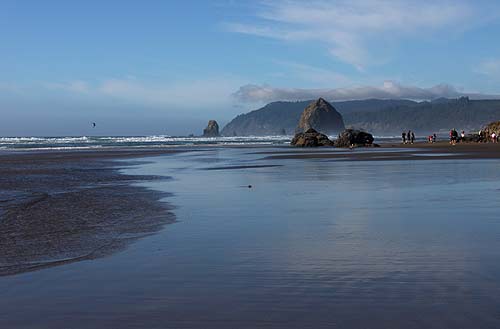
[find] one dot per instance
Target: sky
(167, 67)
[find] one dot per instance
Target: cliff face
(428, 117)
(321, 116)
(277, 118)
(212, 129)
(380, 117)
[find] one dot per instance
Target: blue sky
(166, 67)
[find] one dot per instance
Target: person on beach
(493, 137)
(453, 136)
(412, 137)
(434, 137)
(403, 137)
(408, 136)
(462, 137)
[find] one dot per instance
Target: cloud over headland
(388, 90)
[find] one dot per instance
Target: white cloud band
(389, 90)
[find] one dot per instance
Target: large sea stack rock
(311, 138)
(352, 137)
(212, 129)
(322, 117)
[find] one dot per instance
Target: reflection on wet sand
(314, 243)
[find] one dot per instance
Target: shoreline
(66, 206)
(396, 152)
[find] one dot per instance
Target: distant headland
(378, 116)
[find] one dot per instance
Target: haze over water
(314, 243)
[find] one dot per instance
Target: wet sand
(417, 151)
(62, 207)
(313, 243)
(65, 206)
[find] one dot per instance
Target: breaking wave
(84, 142)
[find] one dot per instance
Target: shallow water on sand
(313, 243)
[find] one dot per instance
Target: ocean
(93, 142)
(155, 141)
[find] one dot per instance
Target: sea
(289, 243)
(155, 141)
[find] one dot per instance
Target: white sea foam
(79, 142)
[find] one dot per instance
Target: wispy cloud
(313, 74)
(389, 90)
(345, 27)
(77, 86)
(490, 67)
(201, 93)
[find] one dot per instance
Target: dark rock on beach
(352, 137)
(473, 138)
(492, 127)
(212, 129)
(321, 116)
(311, 138)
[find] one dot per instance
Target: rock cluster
(492, 127)
(212, 129)
(322, 117)
(352, 137)
(311, 138)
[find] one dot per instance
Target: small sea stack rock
(311, 138)
(353, 137)
(212, 129)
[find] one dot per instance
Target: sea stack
(212, 129)
(311, 138)
(322, 117)
(353, 137)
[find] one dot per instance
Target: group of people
(432, 138)
(485, 137)
(454, 138)
(408, 137)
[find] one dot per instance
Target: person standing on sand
(434, 137)
(493, 137)
(412, 137)
(453, 136)
(462, 136)
(408, 136)
(403, 137)
(482, 139)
